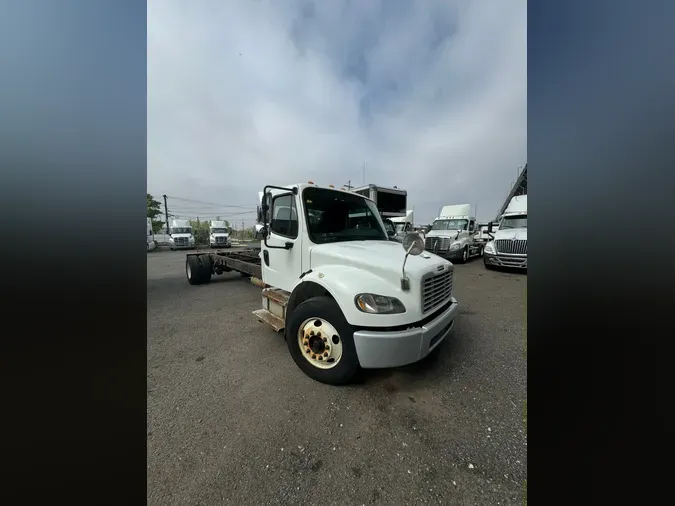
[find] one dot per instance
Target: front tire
(465, 255)
(488, 267)
(329, 359)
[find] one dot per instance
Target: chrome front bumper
(396, 348)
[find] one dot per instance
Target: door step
(277, 295)
(272, 320)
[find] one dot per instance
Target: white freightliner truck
(219, 235)
(180, 235)
(150, 236)
(342, 293)
(508, 247)
(453, 234)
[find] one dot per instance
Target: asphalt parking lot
(231, 419)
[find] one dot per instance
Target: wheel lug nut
(325, 353)
(327, 348)
(308, 350)
(320, 357)
(313, 356)
(325, 339)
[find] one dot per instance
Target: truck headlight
(455, 246)
(489, 248)
(378, 304)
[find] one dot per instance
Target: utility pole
(364, 171)
(349, 185)
(166, 215)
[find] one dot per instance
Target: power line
(211, 203)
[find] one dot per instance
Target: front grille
(511, 247)
(436, 243)
(181, 241)
(220, 240)
(436, 290)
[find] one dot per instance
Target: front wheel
(465, 255)
(321, 341)
(488, 266)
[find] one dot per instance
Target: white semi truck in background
(219, 235)
(150, 236)
(404, 224)
(508, 247)
(453, 234)
(343, 294)
(180, 235)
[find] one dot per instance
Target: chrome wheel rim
(320, 343)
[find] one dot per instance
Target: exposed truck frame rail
(200, 266)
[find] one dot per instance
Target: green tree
(155, 210)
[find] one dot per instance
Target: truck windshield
(219, 231)
(400, 227)
(513, 222)
(450, 225)
(181, 230)
(334, 216)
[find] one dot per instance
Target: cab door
(281, 250)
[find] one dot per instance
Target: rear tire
(198, 269)
(323, 308)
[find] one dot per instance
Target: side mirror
(260, 214)
(413, 244)
(489, 228)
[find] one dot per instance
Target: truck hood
(442, 233)
(512, 233)
(220, 235)
(382, 258)
(187, 236)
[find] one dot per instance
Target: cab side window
(284, 216)
(472, 226)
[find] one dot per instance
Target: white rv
(509, 245)
(344, 295)
(391, 202)
(180, 235)
(219, 235)
(453, 234)
(150, 236)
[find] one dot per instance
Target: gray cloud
(245, 93)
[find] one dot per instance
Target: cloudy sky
(431, 94)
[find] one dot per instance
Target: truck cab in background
(219, 235)
(508, 247)
(180, 235)
(150, 236)
(453, 234)
(403, 224)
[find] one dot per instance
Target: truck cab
(345, 295)
(219, 235)
(453, 234)
(150, 236)
(508, 247)
(403, 224)
(180, 235)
